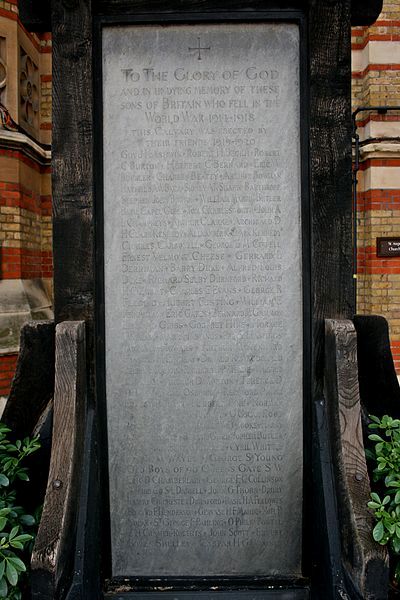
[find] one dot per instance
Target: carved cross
(199, 48)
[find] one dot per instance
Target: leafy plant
(386, 474)
(16, 527)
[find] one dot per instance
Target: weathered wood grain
(362, 12)
(85, 577)
(282, 594)
(327, 573)
(72, 167)
(33, 384)
(36, 15)
(365, 561)
(118, 7)
(55, 543)
(330, 171)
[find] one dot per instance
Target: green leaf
(4, 481)
(2, 568)
(374, 419)
(374, 437)
(3, 588)
(390, 527)
(17, 563)
(11, 573)
(375, 497)
(378, 531)
(396, 544)
(27, 520)
(24, 537)
(392, 481)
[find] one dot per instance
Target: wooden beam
(54, 548)
(72, 170)
(330, 171)
(33, 385)
(36, 16)
(282, 594)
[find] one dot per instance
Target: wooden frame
(77, 249)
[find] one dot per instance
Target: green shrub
(16, 527)
(386, 504)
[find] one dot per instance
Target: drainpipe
(382, 110)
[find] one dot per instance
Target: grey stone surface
(21, 300)
(203, 299)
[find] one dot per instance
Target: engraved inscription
(203, 299)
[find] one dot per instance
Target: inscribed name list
(203, 298)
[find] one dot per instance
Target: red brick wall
(25, 179)
(376, 82)
(7, 368)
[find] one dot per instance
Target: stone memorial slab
(203, 298)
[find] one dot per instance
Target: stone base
(3, 400)
(21, 300)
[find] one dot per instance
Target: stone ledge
(14, 140)
(21, 300)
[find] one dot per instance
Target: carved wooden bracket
(55, 543)
(365, 561)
